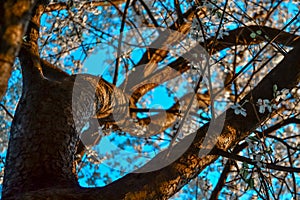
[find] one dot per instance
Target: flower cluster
(265, 104)
(238, 109)
(282, 95)
(256, 151)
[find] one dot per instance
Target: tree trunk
(42, 141)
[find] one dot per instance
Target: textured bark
(42, 141)
(15, 18)
(43, 119)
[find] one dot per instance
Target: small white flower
(263, 104)
(282, 94)
(238, 109)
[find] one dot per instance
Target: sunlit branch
(239, 36)
(152, 56)
(114, 112)
(11, 31)
(29, 54)
(63, 5)
(286, 75)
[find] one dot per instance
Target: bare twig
(7, 112)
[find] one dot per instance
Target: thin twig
(7, 112)
(120, 43)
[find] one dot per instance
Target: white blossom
(282, 95)
(265, 104)
(238, 109)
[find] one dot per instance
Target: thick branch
(152, 185)
(159, 48)
(29, 53)
(52, 72)
(148, 126)
(15, 18)
(239, 36)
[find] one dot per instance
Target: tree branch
(115, 78)
(227, 169)
(7, 112)
(240, 147)
(159, 50)
(13, 25)
(63, 5)
(29, 53)
(163, 183)
(52, 72)
(236, 127)
(253, 162)
(239, 36)
(148, 125)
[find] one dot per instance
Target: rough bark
(42, 122)
(14, 20)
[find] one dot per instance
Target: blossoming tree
(188, 99)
